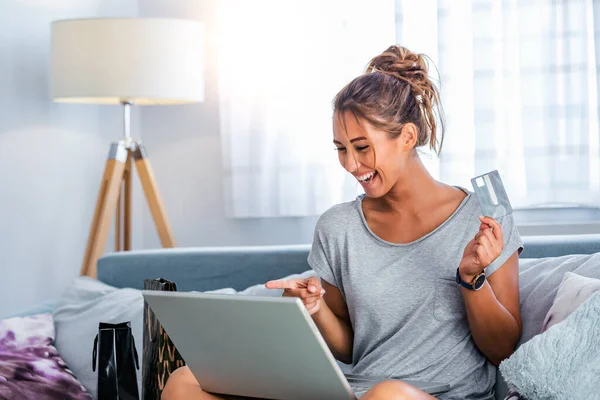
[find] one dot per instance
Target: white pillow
(573, 291)
(85, 304)
(539, 280)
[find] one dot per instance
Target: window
(519, 87)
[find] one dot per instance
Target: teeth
(366, 177)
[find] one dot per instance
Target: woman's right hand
(309, 290)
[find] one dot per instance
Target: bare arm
(333, 322)
(493, 311)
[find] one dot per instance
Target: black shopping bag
(114, 349)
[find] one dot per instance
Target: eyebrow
(353, 140)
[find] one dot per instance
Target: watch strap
(464, 284)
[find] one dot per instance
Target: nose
(351, 164)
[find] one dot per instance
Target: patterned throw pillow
(30, 366)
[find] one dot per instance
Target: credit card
(491, 195)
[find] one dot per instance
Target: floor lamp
(126, 61)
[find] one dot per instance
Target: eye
(340, 149)
(362, 148)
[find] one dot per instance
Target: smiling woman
(451, 305)
(411, 281)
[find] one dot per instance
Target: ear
(409, 136)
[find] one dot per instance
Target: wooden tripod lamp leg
(118, 219)
(123, 215)
(127, 217)
(157, 208)
(105, 207)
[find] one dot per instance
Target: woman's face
(358, 142)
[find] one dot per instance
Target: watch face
(478, 284)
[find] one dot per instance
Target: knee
(178, 383)
(392, 390)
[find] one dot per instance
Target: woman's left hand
(485, 247)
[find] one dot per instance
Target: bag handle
(135, 353)
(95, 353)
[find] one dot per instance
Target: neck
(412, 192)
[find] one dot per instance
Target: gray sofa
(202, 269)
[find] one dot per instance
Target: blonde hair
(395, 90)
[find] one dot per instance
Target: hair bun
(402, 63)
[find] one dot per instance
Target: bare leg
(395, 390)
(182, 385)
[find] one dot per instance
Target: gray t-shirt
(407, 311)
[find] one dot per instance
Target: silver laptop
(262, 347)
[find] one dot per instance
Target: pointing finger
(281, 284)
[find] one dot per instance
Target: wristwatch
(476, 284)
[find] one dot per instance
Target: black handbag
(114, 349)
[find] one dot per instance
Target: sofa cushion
(539, 280)
(30, 366)
(573, 291)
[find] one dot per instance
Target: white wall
(51, 156)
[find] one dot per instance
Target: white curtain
(280, 65)
(519, 86)
(519, 83)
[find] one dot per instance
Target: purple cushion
(30, 366)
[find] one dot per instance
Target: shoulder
(339, 215)
(338, 218)
(331, 231)
(471, 203)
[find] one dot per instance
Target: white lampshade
(141, 60)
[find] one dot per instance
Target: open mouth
(367, 178)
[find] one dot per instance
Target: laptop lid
(265, 347)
